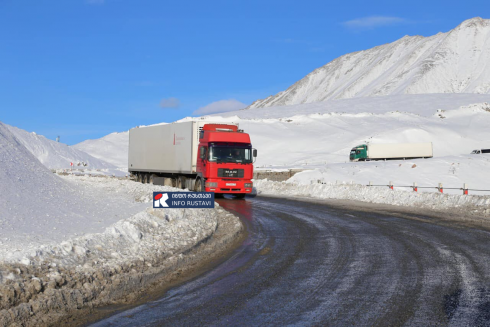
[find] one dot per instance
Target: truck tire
(181, 182)
(151, 179)
(144, 178)
(198, 185)
(138, 178)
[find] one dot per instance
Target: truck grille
(225, 172)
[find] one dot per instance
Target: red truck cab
(225, 160)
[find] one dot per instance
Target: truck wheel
(179, 183)
(138, 178)
(183, 182)
(151, 178)
(239, 195)
(198, 185)
(144, 178)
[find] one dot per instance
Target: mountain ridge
(451, 62)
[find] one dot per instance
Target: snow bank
(433, 201)
(56, 155)
(128, 258)
(68, 243)
(37, 207)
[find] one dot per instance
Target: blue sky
(85, 68)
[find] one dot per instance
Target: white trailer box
(165, 148)
(399, 150)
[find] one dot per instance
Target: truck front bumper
(229, 186)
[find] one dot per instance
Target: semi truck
(390, 151)
(480, 151)
(196, 155)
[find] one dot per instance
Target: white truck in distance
(390, 151)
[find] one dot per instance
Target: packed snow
(55, 155)
(452, 62)
(111, 148)
(42, 214)
(465, 204)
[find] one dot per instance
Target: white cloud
(170, 103)
(373, 21)
(220, 106)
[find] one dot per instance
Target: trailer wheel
(144, 178)
(151, 179)
(138, 178)
(198, 185)
(180, 182)
(183, 182)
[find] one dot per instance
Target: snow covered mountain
(112, 148)
(452, 62)
(53, 154)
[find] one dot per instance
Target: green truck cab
(358, 153)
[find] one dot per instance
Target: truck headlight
(211, 184)
(248, 184)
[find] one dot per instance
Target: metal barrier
(439, 187)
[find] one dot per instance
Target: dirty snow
(468, 204)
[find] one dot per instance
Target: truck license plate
(230, 184)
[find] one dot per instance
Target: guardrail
(415, 187)
(439, 187)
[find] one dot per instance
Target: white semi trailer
(390, 151)
(203, 156)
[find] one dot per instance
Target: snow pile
(122, 236)
(72, 242)
(54, 154)
(30, 196)
(112, 148)
(39, 210)
(126, 253)
(452, 62)
(37, 207)
(434, 201)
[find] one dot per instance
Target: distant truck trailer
(390, 151)
(480, 151)
(200, 156)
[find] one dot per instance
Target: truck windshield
(231, 153)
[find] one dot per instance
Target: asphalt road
(310, 264)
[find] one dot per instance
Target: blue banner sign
(198, 200)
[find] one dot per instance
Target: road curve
(308, 263)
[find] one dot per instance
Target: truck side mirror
(202, 153)
(255, 153)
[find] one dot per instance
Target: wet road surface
(307, 263)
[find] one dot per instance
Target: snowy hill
(112, 148)
(53, 154)
(31, 195)
(320, 136)
(452, 62)
(291, 136)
